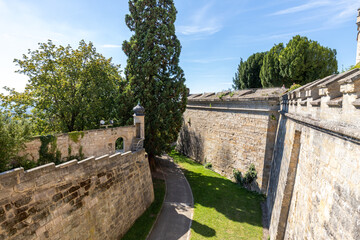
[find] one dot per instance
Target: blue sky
(214, 34)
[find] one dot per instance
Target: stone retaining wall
(232, 131)
(90, 199)
(89, 143)
(314, 189)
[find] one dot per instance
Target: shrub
(250, 175)
(238, 176)
(208, 165)
(294, 86)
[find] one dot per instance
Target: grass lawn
(143, 224)
(223, 210)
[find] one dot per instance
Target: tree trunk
(152, 163)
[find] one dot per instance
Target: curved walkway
(176, 214)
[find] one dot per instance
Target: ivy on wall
(46, 154)
(75, 136)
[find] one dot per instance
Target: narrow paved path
(174, 220)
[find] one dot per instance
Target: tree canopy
(68, 89)
(300, 62)
(248, 72)
(13, 135)
(304, 61)
(153, 73)
(270, 71)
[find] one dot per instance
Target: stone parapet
(335, 98)
(313, 190)
(96, 198)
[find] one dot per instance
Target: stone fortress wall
(95, 198)
(232, 130)
(314, 188)
(91, 199)
(96, 142)
(307, 159)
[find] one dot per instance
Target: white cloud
(344, 10)
(202, 23)
(303, 7)
(333, 11)
(190, 30)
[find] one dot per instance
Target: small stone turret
(139, 121)
(358, 37)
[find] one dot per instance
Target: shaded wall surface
(232, 131)
(90, 199)
(314, 184)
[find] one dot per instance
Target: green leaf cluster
(248, 72)
(300, 62)
(13, 135)
(153, 74)
(48, 150)
(68, 89)
(249, 177)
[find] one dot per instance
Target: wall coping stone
(350, 133)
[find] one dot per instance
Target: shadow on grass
(202, 229)
(211, 190)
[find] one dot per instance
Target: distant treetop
(300, 62)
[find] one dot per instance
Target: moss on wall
(75, 136)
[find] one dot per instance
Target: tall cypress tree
(153, 72)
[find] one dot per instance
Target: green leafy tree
(153, 72)
(248, 72)
(304, 60)
(13, 135)
(68, 89)
(351, 67)
(270, 71)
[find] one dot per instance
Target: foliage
(300, 62)
(248, 72)
(153, 73)
(249, 177)
(208, 165)
(68, 89)
(48, 150)
(79, 156)
(222, 209)
(304, 60)
(238, 176)
(13, 135)
(119, 144)
(353, 67)
(23, 162)
(272, 117)
(221, 96)
(75, 136)
(142, 226)
(270, 71)
(294, 86)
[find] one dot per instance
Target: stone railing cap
(338, 77)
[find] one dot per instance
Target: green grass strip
(143, 224)
(222, 209)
